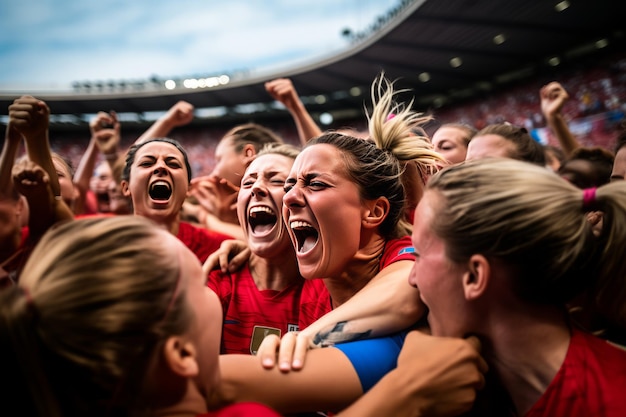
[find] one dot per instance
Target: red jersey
(591, 381)
(315, 300)
(243, 410)
(201, 242)
(251, 314)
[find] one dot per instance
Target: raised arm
(45, 208)
(282, 90)
(179, 114)
(31, 117)
(108, 139)
(11, 145)
(87, 164)
(553, 96)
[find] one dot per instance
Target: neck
(527, 359)
(168, 223)
(274, 274)
(187, 401)
(358, 272)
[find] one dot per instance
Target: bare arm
(179, 114)
(329, 383)
(11, 145)
(87, 163)
(282, 90)
(45, 208)
(31, 117)
(553, 96)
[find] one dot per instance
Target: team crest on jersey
(258, 334)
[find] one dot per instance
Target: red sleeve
(200, 241)
(243, 410)
(397, 250)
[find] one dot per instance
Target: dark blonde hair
(535, 222)
(96, 300)
(253, 134)
(526, 148)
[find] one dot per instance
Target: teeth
(299, 224)
(261, 209)
(160, 182)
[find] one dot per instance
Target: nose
(258, 189)
(159, 167)
(293, 198)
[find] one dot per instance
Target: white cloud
(51, 43)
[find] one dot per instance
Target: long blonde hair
(95, 300)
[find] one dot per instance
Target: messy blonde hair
(396, 128)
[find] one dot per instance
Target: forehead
(424, 215)
(159, 148)
(450, 133)
(226, 144)
(321, 157)
(489, 145)
(270, 162)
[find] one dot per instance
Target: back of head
(534, 222)
(253, 134)
(526, 148)
(588, 167)
(93, 305)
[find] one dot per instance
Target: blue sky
(47, 44)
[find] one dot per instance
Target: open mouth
(102, 197)
(305, 234)
(262, 219)
(160, 191)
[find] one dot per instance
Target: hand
(290, 351)
(30, 117)
(102, 120)
(282, 89)
(32, 181)
(107, 138)
(179, 114)
(216, 195)
(553, 96)
(230, 257)
(441, 374)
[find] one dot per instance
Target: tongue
(263, 228)
(308, 244)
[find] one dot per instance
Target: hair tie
(390, 116)
(589, 198)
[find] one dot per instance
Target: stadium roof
(443, 50)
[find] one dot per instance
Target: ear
(375, 212)
(476, 278)
(125, 189)
(180, 356)
(248, 152)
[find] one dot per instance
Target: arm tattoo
(337, 335)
